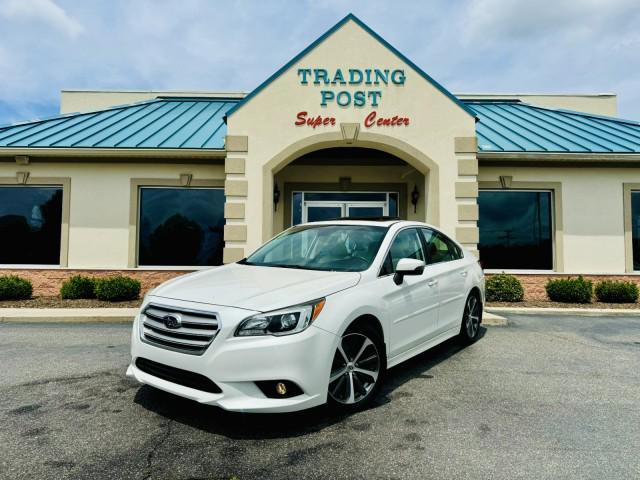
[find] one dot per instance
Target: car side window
(439, 247)
(407, 244)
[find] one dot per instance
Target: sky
(550, 46)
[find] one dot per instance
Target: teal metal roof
(198, 123)
(512, 126)
(165, 123)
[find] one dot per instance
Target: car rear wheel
(357, 369)
(471, 318)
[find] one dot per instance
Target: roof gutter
(557, 158)
(116, 153)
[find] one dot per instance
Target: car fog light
(279, 388)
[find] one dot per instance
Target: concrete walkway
(114, 315)
(591, 312)
(493, 316)
(67, 315)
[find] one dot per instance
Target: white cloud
(44, 11)
(524, 20)
(467, 45)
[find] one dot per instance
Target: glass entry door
(319, 206)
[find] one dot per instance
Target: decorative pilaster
(466, 189)
(236, 192)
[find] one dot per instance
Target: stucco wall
(267, 120)
(100, 197)
(600, 104)
(592, 212)
(72, 101)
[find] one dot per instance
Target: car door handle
(464, 274)
(432, 283)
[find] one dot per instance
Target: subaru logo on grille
(172, 320)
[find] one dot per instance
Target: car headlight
(281, 322)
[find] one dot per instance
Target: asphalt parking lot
(544, 397)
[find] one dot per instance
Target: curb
(492, 320)
(123, 315)
(67, 315)
(587, 312)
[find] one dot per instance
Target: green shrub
(78, 286)
(611, 291)
(116, 289)
(504, 288)
(15, 288)
(570, 290)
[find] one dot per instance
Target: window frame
(447, 240)
(137, 184)
(329, 187)
(45, 182)
(386, 253)
(344, 203)
(555, 191)
(628, 189)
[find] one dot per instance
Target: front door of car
(446, 265)
(412, 305)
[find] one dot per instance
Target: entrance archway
(374, 174)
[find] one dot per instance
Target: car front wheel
(357, 369)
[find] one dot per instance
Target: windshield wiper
(244, 261)
(297, 267)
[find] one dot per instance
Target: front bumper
(235, 363)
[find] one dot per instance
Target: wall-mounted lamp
(415, 196)
(276, 197)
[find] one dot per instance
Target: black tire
(471, 319)
(347, 372)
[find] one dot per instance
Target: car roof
(379, 222)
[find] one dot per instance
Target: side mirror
(407, 266)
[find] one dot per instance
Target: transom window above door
(319, 206)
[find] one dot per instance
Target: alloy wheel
(355, 369)
(472, 316)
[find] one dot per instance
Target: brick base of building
(47, 283)
(534, 284)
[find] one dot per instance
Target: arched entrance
(347, 182)
(373, 176)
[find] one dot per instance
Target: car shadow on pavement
(237, 425)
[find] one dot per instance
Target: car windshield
(342, 248)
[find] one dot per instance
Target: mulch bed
(57, 302)
(548, 304)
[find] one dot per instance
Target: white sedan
(317, 314)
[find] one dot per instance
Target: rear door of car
(446, 265)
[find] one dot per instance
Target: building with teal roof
(158, 183)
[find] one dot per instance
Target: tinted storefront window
(30, 225)
(181, 226)
(515, 230)
(635, 228)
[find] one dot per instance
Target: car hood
(255, 288)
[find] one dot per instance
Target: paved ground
(543, 397)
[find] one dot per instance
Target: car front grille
(181, 330)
